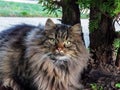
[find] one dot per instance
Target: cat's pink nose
(59, 50)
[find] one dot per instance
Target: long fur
(24, 64)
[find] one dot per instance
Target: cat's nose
(59, 51)
(59, 48)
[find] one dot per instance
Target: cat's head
(62, 41)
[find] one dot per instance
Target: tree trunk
(71, 12)
(101, 39)
(117, 63)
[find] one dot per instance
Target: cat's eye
(67, 43)
(52, 41)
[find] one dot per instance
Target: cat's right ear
(77, 28)
(49, 25)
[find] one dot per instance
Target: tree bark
(101, 40)
(71, 12)
(117, 63)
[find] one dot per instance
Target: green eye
(52, 41)
(67, 43)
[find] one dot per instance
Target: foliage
(84, 4)
(109, 8)
(106, 6)
(116, 44)
(50, 6)
(54, 6)
(117, 10)
(94, 86)
(94, 24)
(117, 85)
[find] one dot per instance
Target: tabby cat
(50, 57)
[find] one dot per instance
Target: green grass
(94, 86)
(16, 9)
(84, 15)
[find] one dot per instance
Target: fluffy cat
(50, 57)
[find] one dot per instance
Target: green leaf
(117, 85)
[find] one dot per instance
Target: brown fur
(30, 60)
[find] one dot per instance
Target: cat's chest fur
(50, 77)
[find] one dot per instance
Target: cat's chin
(59, 57)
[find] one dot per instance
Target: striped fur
(42, 58)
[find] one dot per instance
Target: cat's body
(42, 58)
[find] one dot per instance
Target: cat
(50, 57)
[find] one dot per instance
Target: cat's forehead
(62, 28)
(62, 31)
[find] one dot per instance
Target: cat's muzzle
(59, 57)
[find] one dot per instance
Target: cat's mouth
(58, 57)
(60, 61)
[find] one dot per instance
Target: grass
(94, 86)
(16, 9)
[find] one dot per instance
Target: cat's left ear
(76, 28)
(49, 24)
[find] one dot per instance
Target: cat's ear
(77, 28)
(49, 24)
